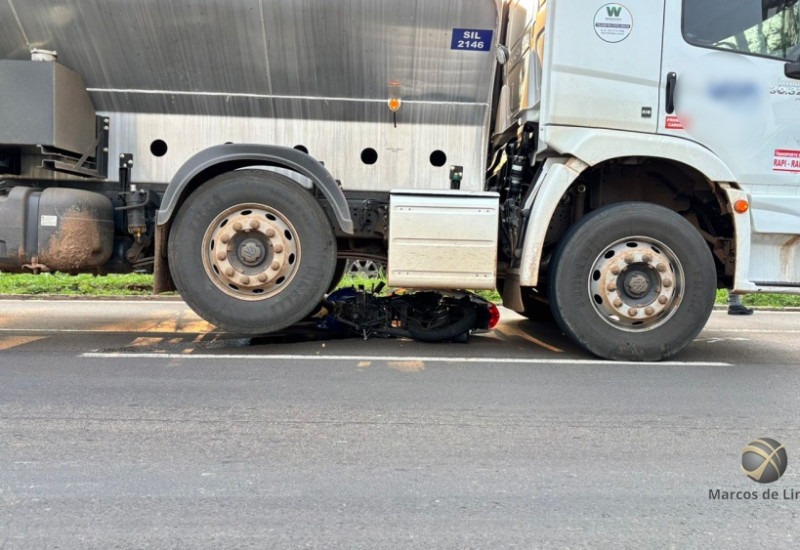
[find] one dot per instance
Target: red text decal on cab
(786, 160)
(674, 123)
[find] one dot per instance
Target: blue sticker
(474, 40)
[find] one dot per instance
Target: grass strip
(78, 285)
(142, 285)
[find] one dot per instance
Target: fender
(586, 147)
(556, 178)
(594, 146)
(234, 156)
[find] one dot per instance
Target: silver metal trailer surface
(178, 76)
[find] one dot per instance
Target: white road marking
(385, 359)
(753, 331)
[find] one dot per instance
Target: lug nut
(617, 303)
(222, 256)
(254, 225)
(263, 278)
(245, 280)
(649, 311)
(270, 233)
(276, 266)
(615, 270)
(612, 287)
(633, 312)
(667, 283)
(238, 227)
(225, 239)
(278, 248)
(647, 258)
(661, 268)
(230, 272)
(629, 260)
(662, 300)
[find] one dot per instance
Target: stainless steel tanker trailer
(242, 150)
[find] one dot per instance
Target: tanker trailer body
(242, 150)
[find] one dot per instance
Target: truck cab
(617, 113)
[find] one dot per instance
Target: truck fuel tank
(55, 229)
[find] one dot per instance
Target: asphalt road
(136, 425)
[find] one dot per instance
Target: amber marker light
(741, 206)
(394, 96)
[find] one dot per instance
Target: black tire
(281, 211)
(660, 269)
(461, 319)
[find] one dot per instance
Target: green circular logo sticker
(613, 23)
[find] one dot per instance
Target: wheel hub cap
(636, 284)
(251, 252)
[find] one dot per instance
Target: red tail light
(494, 316)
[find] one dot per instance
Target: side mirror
(792, 70)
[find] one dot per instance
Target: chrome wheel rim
(636, 284)
(251, 252)
(367, 269)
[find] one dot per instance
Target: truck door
(724, 86)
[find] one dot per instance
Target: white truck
(612, 164)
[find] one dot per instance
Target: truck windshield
(768, 28)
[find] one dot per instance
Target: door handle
(672, 84)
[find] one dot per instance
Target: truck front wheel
(633, 282)
(252, 252)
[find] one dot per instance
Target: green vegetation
(142, 285)
(762, 300)
(369, 284)
(78, 285)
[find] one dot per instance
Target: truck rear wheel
(252, 252)
(633, 282)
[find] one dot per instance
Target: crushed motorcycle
(426, 316)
